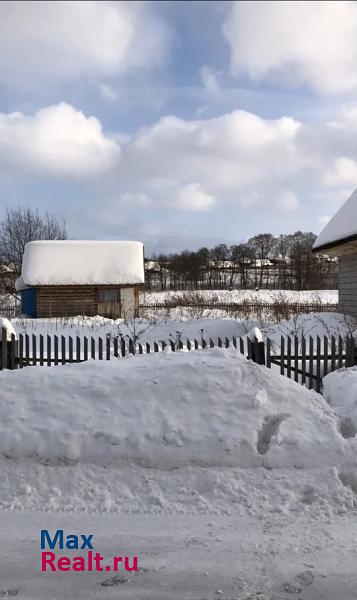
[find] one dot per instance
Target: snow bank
(83, 263)
(340, 391)
(342, 225)
(6, 324)
(206, 408)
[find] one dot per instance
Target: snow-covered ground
(269, 296)
(147, 330)
(224, 478)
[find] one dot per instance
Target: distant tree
(17, 227)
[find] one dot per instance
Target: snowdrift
(206, 408)
(340, 391)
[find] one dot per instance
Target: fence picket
(34, 349)
(13, 355)
(333, 353)
(318, 363)
(116, 347)
(55, 343)
(227, 342)
(340, 352)
(241, 345)
(311, 363)
(49, 351)
(188, 345)
(325, 368)
(156, 347)
(303, 360)
(234, 341)
(288, 360)
(78, 349)
(70, 349)
(108, 347)
(195, 344)
(85, 348)
(100, 348)
(219, 341)
(211, 343)
(140, 349)
(282, 354)
(63, 350)
(3, 348)
(268, 355)
(131, 347)
(21, 351)
(92, 347)
(42, 350)
(27, 348)
(296, 358)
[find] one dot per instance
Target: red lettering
(47, 559)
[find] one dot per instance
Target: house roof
(341, 229)
(68, 262)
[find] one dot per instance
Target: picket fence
(305, 360)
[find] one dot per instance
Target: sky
(179, 124)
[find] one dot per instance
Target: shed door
(28, 302)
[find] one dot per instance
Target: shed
(339, 238)
(64, 278)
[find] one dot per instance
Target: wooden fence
(305, 360)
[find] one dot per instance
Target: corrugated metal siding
(348, 285)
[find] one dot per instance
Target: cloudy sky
(179, 123)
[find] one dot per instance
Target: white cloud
(344, 172)
(57, 141)
(194, 198)
(59, 41)
(311, 43)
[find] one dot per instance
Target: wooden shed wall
(348, 285)
(71, 300)
(62, 300)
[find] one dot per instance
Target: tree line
(264, 261)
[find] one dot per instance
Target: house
(67, 278)
(339, 238)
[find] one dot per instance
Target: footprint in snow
(116, 580)
(301, 581)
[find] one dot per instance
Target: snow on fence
(306, 361)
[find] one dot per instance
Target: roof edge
(336, 244)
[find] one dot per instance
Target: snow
(226, 479)
(71, 262)
(266, 296)
(342, 225)
(6, 324)
(340, 391)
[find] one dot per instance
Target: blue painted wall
(28, 302)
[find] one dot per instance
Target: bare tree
(19, 226)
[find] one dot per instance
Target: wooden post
(3, 348)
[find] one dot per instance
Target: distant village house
(68, 278)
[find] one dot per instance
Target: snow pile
(6, 324)
(68, 262)
(342, 225)
(340, 391)
(208, 408)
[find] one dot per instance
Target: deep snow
(226, 479)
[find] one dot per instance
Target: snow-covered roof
(342, 227)
(68, 262)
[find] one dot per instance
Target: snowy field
(224, 478)
(269, 296)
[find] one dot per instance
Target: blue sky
(180, 124)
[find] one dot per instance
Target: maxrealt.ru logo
(88, 560)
